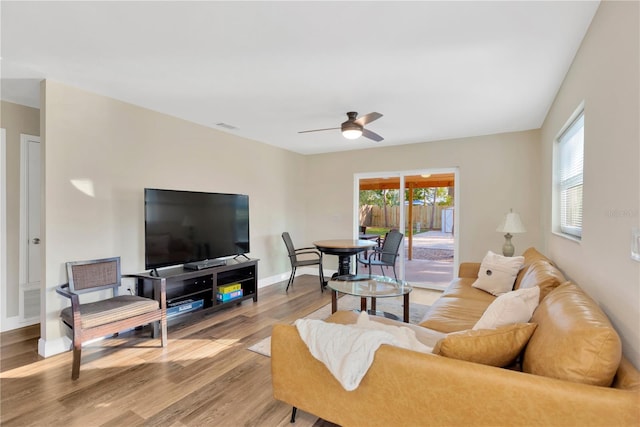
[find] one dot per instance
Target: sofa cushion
(512, 307)
(461, 288)
(110, 310)
(495, 347)
(498, 273)
(451, 314)
(531, 255)
(469, 270)
(543, 275)
(574, 340)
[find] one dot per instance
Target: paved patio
(432, 263)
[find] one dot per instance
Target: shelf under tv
(184, 284)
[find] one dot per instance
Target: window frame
(563, 184)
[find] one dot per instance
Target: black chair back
(390, 248)
(289, 244)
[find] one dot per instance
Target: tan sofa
(571, 371)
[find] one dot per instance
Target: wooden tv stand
(195, 290)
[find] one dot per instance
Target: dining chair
(301, 257)
(386, 255)
(110, 315)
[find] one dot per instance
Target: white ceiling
(436, 70)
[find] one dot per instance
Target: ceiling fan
(353, 128)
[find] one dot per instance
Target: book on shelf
(229, 296)
(231, 287)
(184, 306)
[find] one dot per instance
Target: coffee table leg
(334, 301)
(406, 308)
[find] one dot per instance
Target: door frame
(24, 219)
(3, 224)
(401, 174)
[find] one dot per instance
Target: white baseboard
(430, 286)
(267, 281)
(48, 348)
(11, 323)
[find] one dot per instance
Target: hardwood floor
(204, 377)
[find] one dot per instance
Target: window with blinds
(569, 163)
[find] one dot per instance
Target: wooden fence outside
(374, 216)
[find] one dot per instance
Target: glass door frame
(401, 175)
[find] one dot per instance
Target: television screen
(188, 226)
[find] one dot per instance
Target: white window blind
(570, 162)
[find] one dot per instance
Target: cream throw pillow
(498, 273)
(512, 307)
(494, 347)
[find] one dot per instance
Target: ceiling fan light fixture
(352, 133)
(351, 130)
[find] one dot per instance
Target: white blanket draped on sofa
(348, 350)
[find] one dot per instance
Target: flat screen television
(186, 227)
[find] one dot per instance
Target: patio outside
(432, 261)
(425, 218)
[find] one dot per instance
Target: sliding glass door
(419, 204)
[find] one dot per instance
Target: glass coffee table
(365, 286)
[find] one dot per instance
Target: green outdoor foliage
(427, 196)
(384, 199)
(378, 230)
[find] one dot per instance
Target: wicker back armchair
(107, 316)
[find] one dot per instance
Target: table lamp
(511, 224)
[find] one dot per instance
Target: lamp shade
(511, 224)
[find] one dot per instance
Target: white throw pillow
(498, 273)
(512, 307)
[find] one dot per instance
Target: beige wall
(17, 120)
(119, 149)
(496, 173)
(604, 75)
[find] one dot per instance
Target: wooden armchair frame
(111, 315)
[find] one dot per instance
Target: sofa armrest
(404, 387)
(469, 270)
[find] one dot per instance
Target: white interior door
(30, 212)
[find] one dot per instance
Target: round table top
(363, 285)
(345, 244)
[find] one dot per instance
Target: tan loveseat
(570, 372)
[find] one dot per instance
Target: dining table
(344, 249)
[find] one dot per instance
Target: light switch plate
(635, 243)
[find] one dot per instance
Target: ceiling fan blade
(371, 135)
(368, 118)
(317, 130)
